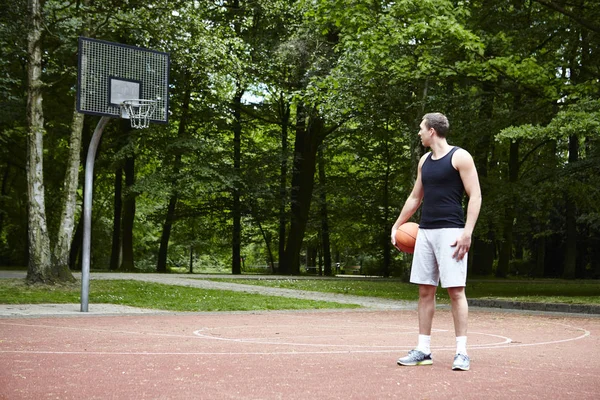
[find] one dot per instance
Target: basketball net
(139, 111)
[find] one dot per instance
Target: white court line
(239, 353)
(506, 343)
(586, 333)
(267, 341)
(233, 327)
(98, 330)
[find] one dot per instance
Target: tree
(568, 43)
(64, 239)
(174, 197)
(40, 263)
(266, 94)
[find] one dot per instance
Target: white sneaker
(461, 362)
(416, 357)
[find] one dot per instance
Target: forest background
(292, 137)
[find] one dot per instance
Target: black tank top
(443, 193)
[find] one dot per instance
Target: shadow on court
(295, 355)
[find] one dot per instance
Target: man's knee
(427, 292)
(456, 293)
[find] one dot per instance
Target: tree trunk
(283, 198)
(116, 248)
(161, 265)
(285, 263)
(320, 260)
(507, 243)
(325, 246)
(386, 224)
(163, 250)
(65, 232)
(267, 239)
(483, 251)
(76, 245)
(483, 254)
(505, 249)
(571, 218)
(127, 264)
(595, 257)
(3, 193)
(306, 144)
(236, 267)
(540, 250)
(40, 263)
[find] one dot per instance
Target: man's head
(437, 122)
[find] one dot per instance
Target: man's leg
(460, 314)
(421, 355)
(426, 308)
(460, 310)
(424, 272)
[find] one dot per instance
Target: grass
(180, 298)
(375, 288)
(544, 291)
(153, 296)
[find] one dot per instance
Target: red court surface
(296, 355)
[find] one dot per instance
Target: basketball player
(444, 175)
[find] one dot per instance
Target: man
(444, 175)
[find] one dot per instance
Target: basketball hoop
(139, 111)
(111, 78)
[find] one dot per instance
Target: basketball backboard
(110, 73)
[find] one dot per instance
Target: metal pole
(87, 212)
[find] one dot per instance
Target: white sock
(424, 344)
(461, 345)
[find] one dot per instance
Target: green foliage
(514, 77)
(582, 118)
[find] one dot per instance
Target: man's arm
(465, 165)
(412, 203)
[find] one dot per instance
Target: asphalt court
(295, 355)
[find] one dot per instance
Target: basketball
(406, 236)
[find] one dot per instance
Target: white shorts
(432, 260)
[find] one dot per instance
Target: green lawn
(181, 298)
(548, 291)
(154, 296)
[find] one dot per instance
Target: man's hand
(462, 244)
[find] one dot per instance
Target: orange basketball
(406, 236)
